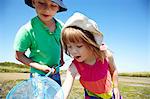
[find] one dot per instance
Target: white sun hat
(82, 21)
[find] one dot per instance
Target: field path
(134, 79)
(15, 76)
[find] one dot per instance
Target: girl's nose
(74, 51)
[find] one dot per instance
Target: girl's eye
(79, 46)
(68, 46)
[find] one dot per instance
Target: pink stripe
(92, 73)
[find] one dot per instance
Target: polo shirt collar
(38, 21)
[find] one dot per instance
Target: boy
(41, 35)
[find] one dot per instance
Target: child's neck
(50, 24)
(90, 60)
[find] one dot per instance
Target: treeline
(13, 67)
(136, 74)
(20, 68)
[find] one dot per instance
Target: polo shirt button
(38, 51)
(50, 33)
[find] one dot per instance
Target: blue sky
(124, 23)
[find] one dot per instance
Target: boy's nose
(47, 10)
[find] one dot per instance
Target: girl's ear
(33, 3)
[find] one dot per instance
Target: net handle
(51, 70)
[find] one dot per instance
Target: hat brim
(59, 2)
(85, 23)
(61, 5)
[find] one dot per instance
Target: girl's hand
(116, 93)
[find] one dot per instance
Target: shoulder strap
(61, 58)
(62, 55)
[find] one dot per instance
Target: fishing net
(39, 87)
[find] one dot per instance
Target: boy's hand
(47, 69)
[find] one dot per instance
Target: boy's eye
(54, 5)
(42, 4)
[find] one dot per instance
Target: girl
(98, 74)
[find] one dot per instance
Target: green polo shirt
(44, 45)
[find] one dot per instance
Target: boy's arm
(20, 56)
(68, 83)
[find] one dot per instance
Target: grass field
(130, 88)
(131, 85)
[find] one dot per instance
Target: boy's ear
(33, 3)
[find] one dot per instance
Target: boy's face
(45, 9)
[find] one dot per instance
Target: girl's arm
(68, 83)
(113, 71)
(114, 75)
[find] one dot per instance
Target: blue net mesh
(40, 87)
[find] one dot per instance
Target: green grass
(77, 91)
(135, 91)
(6, 86)
(136, 74)
(137, 88)
(129, 90)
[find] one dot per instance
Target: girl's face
(45, 9)
(81, 52)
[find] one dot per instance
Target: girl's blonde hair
(76, 34)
